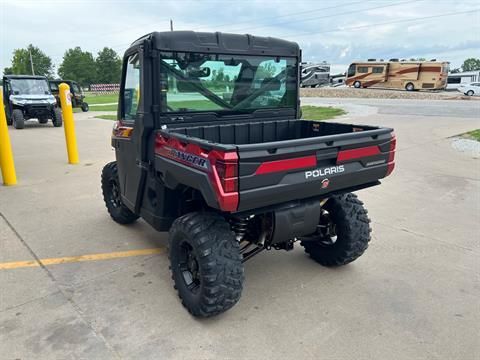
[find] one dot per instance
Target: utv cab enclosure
(75, 90)
(29, 97)
(209, 146)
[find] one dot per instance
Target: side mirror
(199, 73)
(127, 100)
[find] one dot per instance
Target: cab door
(129, 172)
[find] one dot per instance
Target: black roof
(24, 77)
(221, 43)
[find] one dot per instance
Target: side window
(76, 88)
(454, 80)
(377, 69)
(362, 69)
(131, 93)
(54, 86)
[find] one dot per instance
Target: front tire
(343, 233)
(57, 118)
(18, 119)
(357, 84)
(111, 195)
(469, 93)
(206, 263)
(85, 107)
(409, 87)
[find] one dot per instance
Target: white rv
(454, 81)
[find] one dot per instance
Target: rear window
(362, 69)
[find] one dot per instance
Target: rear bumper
(295, 186)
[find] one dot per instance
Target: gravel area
(467, 146)
(346, 92)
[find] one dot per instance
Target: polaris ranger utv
(75, 91)
(230, 176)
(28, 97)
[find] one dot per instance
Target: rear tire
(111, 195)
(469, 93)
(357, 84)
(18, 119)
(57, 118)
(85, 107)
(409, 87)
(351, 227)
(206, 263)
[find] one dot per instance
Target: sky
(338, 32)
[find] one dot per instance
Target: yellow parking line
(80, 258)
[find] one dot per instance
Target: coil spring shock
(239, 227)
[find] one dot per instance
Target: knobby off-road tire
(111, 195)
(57, 117)
(352, 227)
(85, 107)
(205, 263)
(18, 119)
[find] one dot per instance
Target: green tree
(266, 70)
(471, 64)
(79, 66)
(108, 66)
(21, 64)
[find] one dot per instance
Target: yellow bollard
(68, 123)
(6, 157)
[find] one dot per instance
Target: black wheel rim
(327, 229)
(189, 268)
(114, 194)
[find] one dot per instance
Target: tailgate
(277, 172)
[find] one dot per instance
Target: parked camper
(395, 74)
(458, 80)
(315, 75)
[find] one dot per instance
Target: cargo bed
(284, 160)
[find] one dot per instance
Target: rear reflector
(287, 164)
(346, 155)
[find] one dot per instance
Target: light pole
(31, 61)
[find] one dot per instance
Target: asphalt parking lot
(415, 294)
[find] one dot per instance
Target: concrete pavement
(413, 295)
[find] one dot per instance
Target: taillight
(227, 174)
(225, 178)
(391, 154)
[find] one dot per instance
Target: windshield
(215, 82)
(29, 87)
